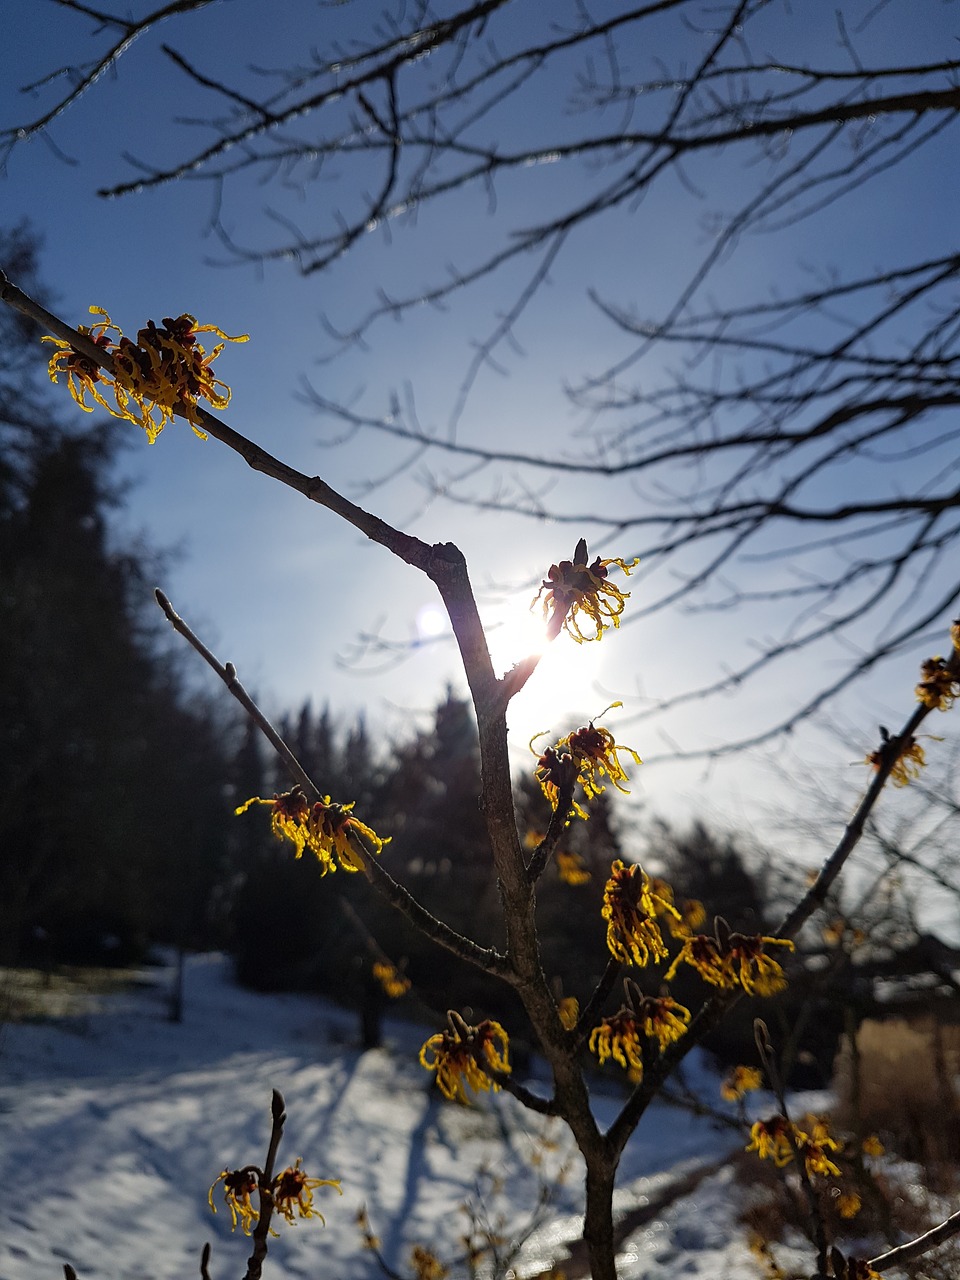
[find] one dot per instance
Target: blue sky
(278, 586)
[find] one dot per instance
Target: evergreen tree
(111, 787)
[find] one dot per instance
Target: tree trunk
(598, 1220)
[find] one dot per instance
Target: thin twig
(261, 1233)
(914, 1248)
(490, 961)
(228, 674)
(591, 1010)
(558, 822)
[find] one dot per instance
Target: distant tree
(732, 878)
(100, 853)
(431, 799)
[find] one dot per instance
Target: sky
(278, 586)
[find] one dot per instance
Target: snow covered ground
(114, 1123)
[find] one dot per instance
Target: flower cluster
(816, 1148)
(460, 1055)
(594, 753)
(290, 1193)
(662, 1019)
(739, 1082)
(293, 1193)
(165, 372)
(908, 758)
(729, 960)
(778, 1139)
(553, 772)
(426, 1265)
(653, 1017)
(939, 687)
(770, 1139)
(394, 983)
(630, 908)
(574, 587)
(587, 755)
(326, 829)
(618, 1037)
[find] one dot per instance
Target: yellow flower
(662, 1019)
(955, 633)
(456, 1056)
(738, 961)
(287, 818)
(166, 371)
(568, 1010)
(333, 830)
(238, 1186)
(872, 1146)
(426, 1265)
(394, 983)
(594, 753)
(815, 1149)
(704, 954)
(618, 1038)
(849, 1204)
(82, 373)
(630, 907)
(683, 919)
(293, 1193)
(771, 1140)
(938, 687)
(758, 974)
(693, 914)
(574, 587)
(909, 760)
(326, 829)
(740, 1081)
(571, 870)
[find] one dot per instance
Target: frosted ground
(114, 1123)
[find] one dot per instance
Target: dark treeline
(112, 801)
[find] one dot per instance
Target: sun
(515, 632)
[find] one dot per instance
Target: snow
(114, 1123)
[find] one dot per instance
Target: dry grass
(30, 994)
(906, 1090)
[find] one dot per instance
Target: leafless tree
(777, 438)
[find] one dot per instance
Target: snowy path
(114, 1124)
